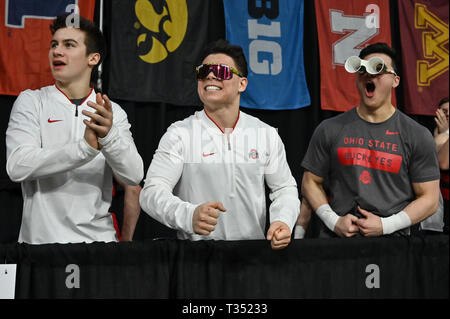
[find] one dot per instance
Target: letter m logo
(16, 11)
(435, 45)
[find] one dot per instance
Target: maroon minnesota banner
(425, 59)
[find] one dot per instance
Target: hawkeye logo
(434, 42)
(165, 28)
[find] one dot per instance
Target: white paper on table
(7, 280)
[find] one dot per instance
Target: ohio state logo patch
(253, 154)
(365, 177)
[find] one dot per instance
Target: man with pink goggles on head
(207, 178)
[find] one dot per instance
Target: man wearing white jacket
(64, 142)
(207, 177)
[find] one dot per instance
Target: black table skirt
(401, 267)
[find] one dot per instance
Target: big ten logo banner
(155, 46)
(344, 29)
(271, 35)
(25, 39)
(424, 29)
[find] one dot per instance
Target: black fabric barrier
(405, 267)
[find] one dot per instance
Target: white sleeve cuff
(110, 136)
(395, 222)
(87, 149)
(328, 216)
(299, 232)
(188, 219)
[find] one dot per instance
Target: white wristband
(299, 232)
(328, 216)
(395, 222)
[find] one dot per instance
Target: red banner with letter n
(424, 39)
(344, 29)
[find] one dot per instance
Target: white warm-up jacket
(196, 162)
(66, 184)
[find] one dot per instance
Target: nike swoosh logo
(391, 133)
(209, 154)
(53, 121)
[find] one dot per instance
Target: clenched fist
(347, 226)
(205, 217)
(279, 235)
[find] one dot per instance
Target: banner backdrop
(424, 30)
(271, 34)
(155, 47)
(25, 40)
(344, 29)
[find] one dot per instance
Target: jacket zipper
(232, 167)
(76, 126)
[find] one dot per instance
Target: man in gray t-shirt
(380, 166)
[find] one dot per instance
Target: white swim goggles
(374, 65)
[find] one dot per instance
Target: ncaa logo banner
(17, 11)
(25, 40)
(271, 34)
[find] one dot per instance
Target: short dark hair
(233, 51)
(380, 47)
(94, 40)
(444, 100)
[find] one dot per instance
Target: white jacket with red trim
(66, 184)
(196, 162)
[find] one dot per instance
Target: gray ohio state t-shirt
(371, 164)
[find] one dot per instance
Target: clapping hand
(101, 121)
(441, 121)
